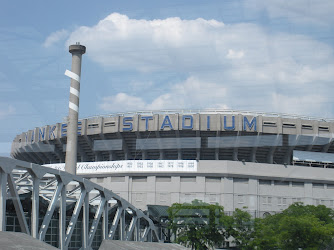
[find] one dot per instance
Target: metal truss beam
(20, 177)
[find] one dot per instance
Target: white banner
(131, 166)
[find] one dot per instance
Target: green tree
(240, 226)
(298, 226)
(197, 225)
(265, 237)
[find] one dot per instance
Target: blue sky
(271, 56)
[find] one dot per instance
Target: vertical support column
(217, 145)
(149, 235)
(72, 125)
(105, 221)
(3, 198)
(85, 223)
(62, 219)
(122, 226)
(35, 207)
(138, 229)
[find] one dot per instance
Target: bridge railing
(64, 192)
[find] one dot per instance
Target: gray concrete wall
(260, 187)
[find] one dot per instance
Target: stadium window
(297, 184)
(281, 183)
(163, 197)
(265, 182)
(240, 180)
(318, 185)
(241, 199)
(187, 179)
(281, 201)
(330, 186)
(117, 179)
(139, 197)
(323, 128)
(212, 198)
(109, 124)
(93, 125)
(212, 179)
(307, 126)
(139, 179)
(289, 125)
(294, 200)
(189, 197)
(269, 124)
(266, 200)
(163, 179)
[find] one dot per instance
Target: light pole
(77, 51)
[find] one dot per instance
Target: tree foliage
(197, 225)
(240, 226)
(201, 226)
(298, 226)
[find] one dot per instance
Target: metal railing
(80, 198)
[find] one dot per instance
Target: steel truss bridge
(70, 199)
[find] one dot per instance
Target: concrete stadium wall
(260, 187)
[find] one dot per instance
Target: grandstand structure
(262, 161)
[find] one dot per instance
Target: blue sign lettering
(63, 129)
(41, 134)
(79, 128)
(233, 124)
(32, 135)
(190, 118)
(208, 122)
(127, 123)
(166, 123)
(251, 124)
(51, 132)
(146, 118)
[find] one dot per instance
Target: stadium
(261, 161)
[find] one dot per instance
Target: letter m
(250, 125)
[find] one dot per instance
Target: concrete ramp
(132, 245)
(21, 241)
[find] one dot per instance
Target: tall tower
(77, 51)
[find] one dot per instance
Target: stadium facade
(261, 161)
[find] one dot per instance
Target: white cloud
(190, 93)
(188, 45)
(55, 37)
(223, 65)
(121, 101)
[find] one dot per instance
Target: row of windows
(218, 180)
(284, 201)
(165, 197)
(295, 184)
(241, 199)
